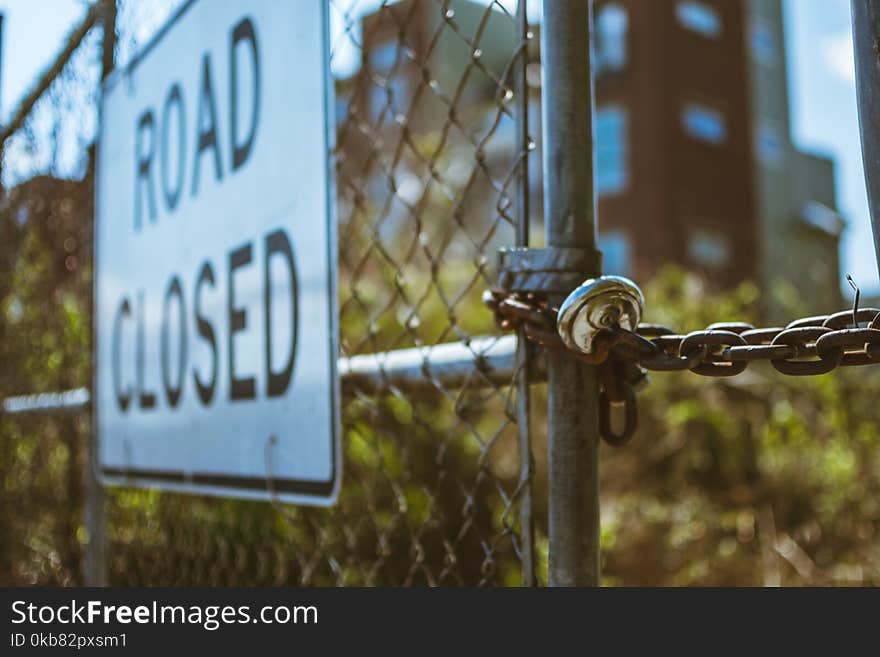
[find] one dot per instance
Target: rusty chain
(805, 347)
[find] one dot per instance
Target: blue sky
(825, 118)
(822, 91)
(33, 31)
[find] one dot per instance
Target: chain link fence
(432, 153)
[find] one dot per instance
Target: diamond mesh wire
(429, 163)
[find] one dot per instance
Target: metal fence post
(523, 349)
(865, 18)
(570, 212)
(95, 566)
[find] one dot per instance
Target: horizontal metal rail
(47, 402)
(481, 362)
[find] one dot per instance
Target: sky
(825, 117)
(33, 31)
(821, 89)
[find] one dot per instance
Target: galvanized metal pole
(570, 221)
(95, 566)
(523, 348)
(3, 141)
(866, 36)
(2, 16)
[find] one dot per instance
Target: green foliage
(45, 336)
(759, 479)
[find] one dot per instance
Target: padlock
(597, 304)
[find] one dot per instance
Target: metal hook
(852, 284)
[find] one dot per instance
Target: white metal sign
(215, 258)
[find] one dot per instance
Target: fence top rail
(47, 402)
(484, 361)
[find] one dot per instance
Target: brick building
(695, 160)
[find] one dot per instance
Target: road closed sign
(215, 258)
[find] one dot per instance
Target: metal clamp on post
(549, 271)
(593, 323)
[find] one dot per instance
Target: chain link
(805, 347)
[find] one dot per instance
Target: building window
(390, 99)
(769, 144)
(765, 49)
(341, 109)
(612, 26)
(821, 217)
(709, 249)
(704, 123)
(612, 173)
(699, 17)
(616, 256)
(383, 57)
(390, 92)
